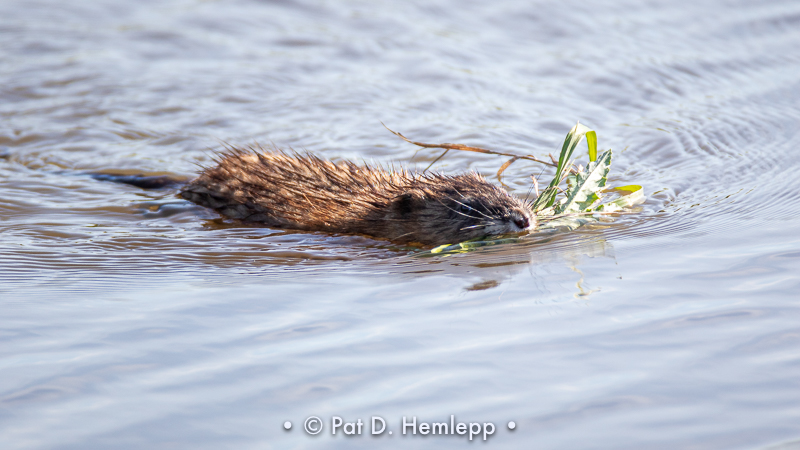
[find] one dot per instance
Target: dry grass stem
(468, 148)
(504, 167)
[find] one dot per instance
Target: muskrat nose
(522, 222)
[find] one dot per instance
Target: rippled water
(132, 319)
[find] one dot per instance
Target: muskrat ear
(407, 203)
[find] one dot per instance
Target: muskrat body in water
(303, 192)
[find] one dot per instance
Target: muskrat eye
(465, 209)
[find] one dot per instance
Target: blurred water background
(133, 319)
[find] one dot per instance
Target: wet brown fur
(304, 192)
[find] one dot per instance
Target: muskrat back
(304, 192)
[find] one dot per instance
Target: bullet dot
(512, 425)
(287, 425)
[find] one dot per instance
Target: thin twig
(435, 160)
(504, 167)
(467, 148)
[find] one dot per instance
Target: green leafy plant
(586, 187)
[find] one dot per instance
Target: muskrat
(304, 192)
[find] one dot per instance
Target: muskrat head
(448, 210)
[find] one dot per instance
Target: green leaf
(570, 143)
(545, 200)
(468, 246)
(585, 187)
(591, 141)
(631, 188)
(548, 197)
(631, 195)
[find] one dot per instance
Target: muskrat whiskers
(474, 226)
(467, 206)
(403, 235)
(459, 212)
(479, 201)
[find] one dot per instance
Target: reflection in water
(506, 261)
